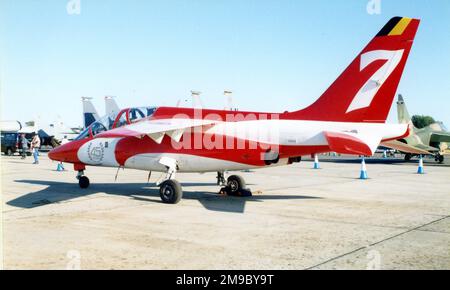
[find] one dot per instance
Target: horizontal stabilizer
(405, 148)
(440, 137)
(352, 143)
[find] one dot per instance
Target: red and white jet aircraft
(348, 118)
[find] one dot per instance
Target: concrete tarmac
(298, 218)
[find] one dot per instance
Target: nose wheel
(83, 181)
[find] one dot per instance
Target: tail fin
(89, 112)
(111, 106)
(364, 92)
(402, 111)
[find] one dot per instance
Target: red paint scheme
(250, 154)
(407, 134)
(68, 152)
(79, 166)
(332, 105)
(208, 114)
(345, 144)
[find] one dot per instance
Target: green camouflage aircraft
(430, 140)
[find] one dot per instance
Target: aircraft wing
(352, 143)
(440, 137)
(395, 144)
(156, 129)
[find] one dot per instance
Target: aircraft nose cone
(56, 154)
(65, 153)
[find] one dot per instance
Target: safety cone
(316, 162)
(420, 169)
(60, 167)
(363, 174)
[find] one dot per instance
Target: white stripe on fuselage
(301, 133)
(101, 151)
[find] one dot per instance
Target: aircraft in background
(431, 140)
(10, 126)
(111, 107)
(90, 114)
(348, 118)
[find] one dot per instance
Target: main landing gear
(439, 158)
(170, 191)
(235, 187)
(408, 156)
(221, 178)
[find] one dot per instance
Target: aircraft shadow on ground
(56, 192)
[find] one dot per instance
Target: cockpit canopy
(116, 120)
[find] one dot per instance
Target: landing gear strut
(221, 178)
(170, 190)
(83, 181)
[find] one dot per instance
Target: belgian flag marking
(396, 26)
(400, 27)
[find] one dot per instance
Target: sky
(274, 55)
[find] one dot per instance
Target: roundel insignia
(96, 152)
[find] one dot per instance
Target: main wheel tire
(408, 157)
(441, 159)
(170, 191)
(9, 152)
(235, 183)
(83, 181)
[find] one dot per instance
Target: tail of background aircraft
(111, 106)
(89, 112)
(402, 111)
(364, 92)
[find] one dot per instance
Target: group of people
(34, 145)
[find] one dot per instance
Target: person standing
(24, 143)
(61, 165)
(35, 145)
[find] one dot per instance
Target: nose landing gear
(83, 181)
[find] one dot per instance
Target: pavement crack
(378, 242)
